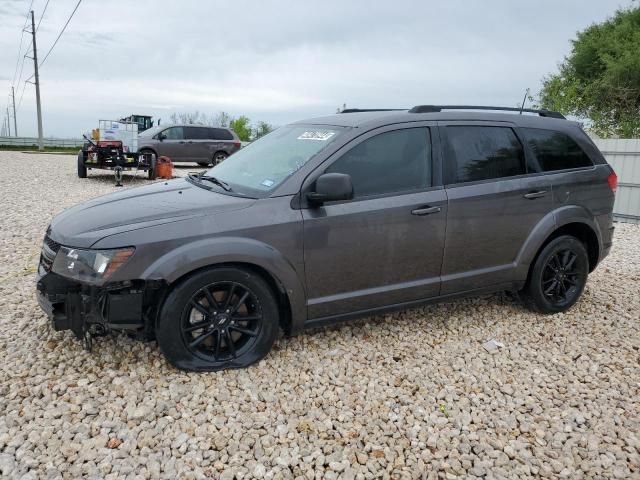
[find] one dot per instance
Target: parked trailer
(114, 146)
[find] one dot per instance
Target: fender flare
(549, 224)
(192, 256)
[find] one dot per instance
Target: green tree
(242, 128)
(261, 129)
(600, 79)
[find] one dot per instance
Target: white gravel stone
(406, 395)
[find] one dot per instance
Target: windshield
(264, 164)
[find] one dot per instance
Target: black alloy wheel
(558, 276)
(218, 318)
(221, 321)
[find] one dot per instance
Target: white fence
(48, 142)
(623, 155)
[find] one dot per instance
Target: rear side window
(555, 150)
(220, 134)
(390, 162)
(196, 133)
(481, 153)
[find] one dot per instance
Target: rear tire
(558, 276)
(82, 169)
(216, 319)
(219, 157)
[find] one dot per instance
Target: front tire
(82, 169)
(558, 276)
(217, 319)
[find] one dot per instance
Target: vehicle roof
(168, 125)
(379, 118)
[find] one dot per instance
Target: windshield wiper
(215, 180)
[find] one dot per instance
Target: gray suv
(334, 218)
(190, 143)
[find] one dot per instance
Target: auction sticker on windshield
(322, 135)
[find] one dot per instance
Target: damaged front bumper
(90, 310)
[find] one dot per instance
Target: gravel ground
(408, 395)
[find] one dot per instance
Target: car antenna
(524, 100)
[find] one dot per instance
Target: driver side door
(384, 247)
(173, 145)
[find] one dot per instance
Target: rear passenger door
(198, 144)
(495, 200)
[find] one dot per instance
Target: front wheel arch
(170, 331)
(276, 286)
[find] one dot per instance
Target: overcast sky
(281, 61)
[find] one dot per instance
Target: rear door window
(555, 150)
(477, 153)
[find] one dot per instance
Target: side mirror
(161, 136)
(331, 187)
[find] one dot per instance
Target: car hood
(85, 224)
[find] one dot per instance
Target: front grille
(48, 254)
(52, 244)
(45, 264)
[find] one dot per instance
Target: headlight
(91, 266)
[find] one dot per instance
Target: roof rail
(439, 108)
(358, 110)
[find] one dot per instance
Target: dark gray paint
(349, 258)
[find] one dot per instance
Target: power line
(60, 34)
(24, 86)
(26, 20)
(42, 16)
(25, 56)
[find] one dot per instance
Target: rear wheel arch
(579, 230)
(583, 232)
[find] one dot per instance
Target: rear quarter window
(555, 150)
(221, 134)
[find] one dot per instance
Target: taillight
(612, 180)
(237, 144)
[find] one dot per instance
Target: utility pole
(8, 123)
(15, 122)
(37, 81)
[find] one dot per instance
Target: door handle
(425, 210)
(181, 141)
(534, 195)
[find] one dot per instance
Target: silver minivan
(190, 143)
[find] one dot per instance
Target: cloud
(279, 60)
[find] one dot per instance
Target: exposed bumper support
(84, 308)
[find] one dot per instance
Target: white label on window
(267, 183)
(322, 135)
